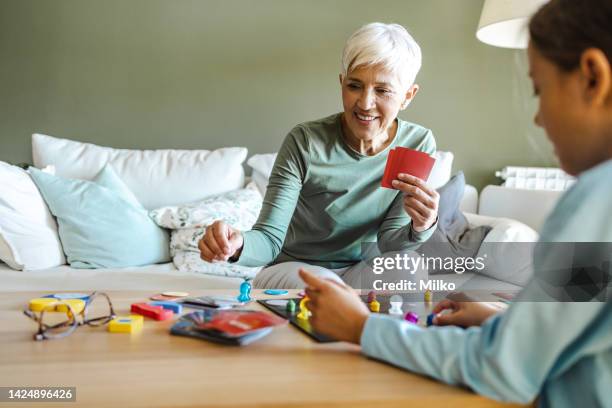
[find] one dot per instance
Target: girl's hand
(420, 201)
(337, 310)
(465, 313)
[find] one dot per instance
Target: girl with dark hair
(542, 346)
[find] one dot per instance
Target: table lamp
(503, 23)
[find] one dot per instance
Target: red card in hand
(409, 161)
(386, 180)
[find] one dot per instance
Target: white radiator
(535, 178)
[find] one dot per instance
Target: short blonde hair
(389, 45)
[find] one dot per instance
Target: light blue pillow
(101, 223)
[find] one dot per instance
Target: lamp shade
(503, 23)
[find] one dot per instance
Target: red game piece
(154, 312)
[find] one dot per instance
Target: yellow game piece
(304, 312)
(76, 304)
(126, 324)
(375, 306)
(55, 305)
(38, 304)
(428, 296)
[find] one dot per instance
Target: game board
(303, 325)
(411, 302)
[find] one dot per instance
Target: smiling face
(574, 108)
(372, 98)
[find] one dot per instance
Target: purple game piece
(412, 317)
(371, 296)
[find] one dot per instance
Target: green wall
(205, 74)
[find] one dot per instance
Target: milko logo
(435, 285)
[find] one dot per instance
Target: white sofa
(494, 202)
(166, 277)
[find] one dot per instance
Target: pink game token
(163, 297)
(412, 317)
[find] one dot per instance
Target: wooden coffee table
(156, 369)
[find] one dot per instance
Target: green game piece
(291, 306)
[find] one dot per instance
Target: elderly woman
(554, 342)
(324, 196)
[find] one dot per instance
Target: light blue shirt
(559, 352)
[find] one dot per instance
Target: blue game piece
(276, 292)
(175, 307)
(430, 319)
(245, 291)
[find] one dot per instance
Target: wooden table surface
(156, 369)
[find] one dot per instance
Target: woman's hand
(465, 313)
(220, 242)
(420, 201)
(337, 310)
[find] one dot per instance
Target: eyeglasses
(58, 318)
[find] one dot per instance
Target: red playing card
(386, 180)
(414, 162)
(409, 161)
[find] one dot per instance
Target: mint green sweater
(324, 200)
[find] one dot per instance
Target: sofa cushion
(100, 224)
(152, 278)
(442, 169)
(531, 207)
(453, 237)
(156, 177)
(507, 249)
(28, 231)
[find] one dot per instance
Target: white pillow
(442, 169)
(507, 249)
(262, 164)
(6, 254)
(156, 177)
(28, 231)
(239, 208)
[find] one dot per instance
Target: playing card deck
(231, 327)
(409, 161)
